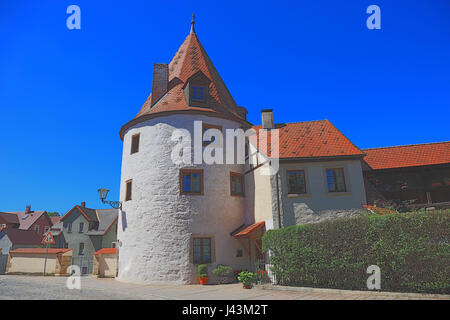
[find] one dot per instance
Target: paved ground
(34, 287)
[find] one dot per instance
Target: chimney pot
(160, 81)
(267, 119)
(83, 204)
(28, 209)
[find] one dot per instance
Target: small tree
(202, 270)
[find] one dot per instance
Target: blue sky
(64, 94)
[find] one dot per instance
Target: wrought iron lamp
(103, 193)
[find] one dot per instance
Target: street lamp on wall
(103, 193)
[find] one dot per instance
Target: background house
(85, 231)
(37, 221)
(14, 238)
(8, 220)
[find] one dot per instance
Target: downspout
(278, 202)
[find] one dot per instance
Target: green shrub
(411, 249)
(202, 270)
(222, 271)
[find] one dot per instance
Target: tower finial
(192, 23)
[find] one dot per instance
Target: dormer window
(198, 93)
(196, 90)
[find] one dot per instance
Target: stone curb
(353, 292)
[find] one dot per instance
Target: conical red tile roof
(190, 59)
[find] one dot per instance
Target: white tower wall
(156, 226)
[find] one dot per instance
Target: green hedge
(411, 249)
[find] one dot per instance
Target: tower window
(191, 181)
(202, 250)
(135, 143)
(198, 93)
(128, 190)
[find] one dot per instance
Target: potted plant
(262, 277)
(237, 272)
(203, 273)
(247, 279)
(223, 273)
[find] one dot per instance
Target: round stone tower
(176, 216)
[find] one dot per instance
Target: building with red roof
(419, 174)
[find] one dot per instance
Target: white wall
(155, 227)
(32, 263)
(319, 204)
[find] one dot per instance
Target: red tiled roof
(312, 139)
(106, 251)
(40, 250)
(190, 59)
(408, 156)
(249, 229)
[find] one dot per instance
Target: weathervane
(192, 23)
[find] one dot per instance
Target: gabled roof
(190, 59)
(18, 236)
(89, 214)
(104, 217)
(408, 156)
(6, 217)
(312, 139)
(27, 220)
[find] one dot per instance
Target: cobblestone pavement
(38, 287)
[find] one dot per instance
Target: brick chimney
(83, 204)
(160, 81)
(28, 209)
(267, 119)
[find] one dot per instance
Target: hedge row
(411, 249)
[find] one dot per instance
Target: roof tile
(408, 156)
(313, 139)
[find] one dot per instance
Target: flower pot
(247, 286)
(203, 280)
